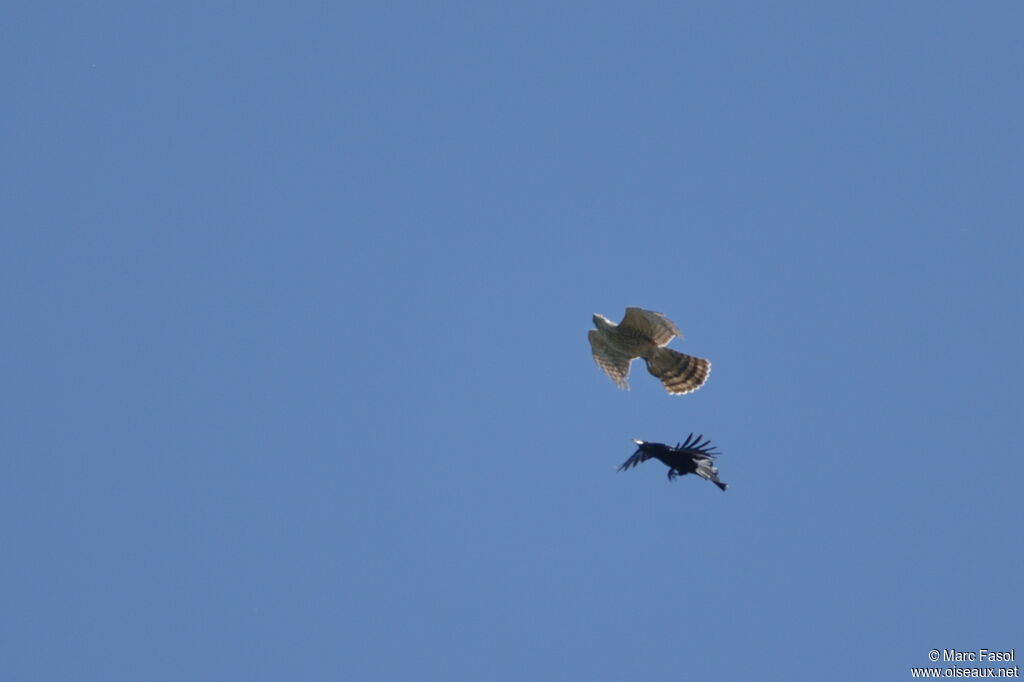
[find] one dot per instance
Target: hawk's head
(602, 322)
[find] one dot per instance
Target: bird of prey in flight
(689, 457)
(644, 334)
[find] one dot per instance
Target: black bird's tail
(707, 470)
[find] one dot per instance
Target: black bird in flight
(690, 457)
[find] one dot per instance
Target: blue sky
(296, 379)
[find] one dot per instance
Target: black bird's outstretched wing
(695, 448)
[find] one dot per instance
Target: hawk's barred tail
(679, 373)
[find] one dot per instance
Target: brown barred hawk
(644, 334)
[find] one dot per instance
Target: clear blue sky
(295, 375)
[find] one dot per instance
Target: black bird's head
(651, 449)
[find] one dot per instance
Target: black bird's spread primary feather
(689, 457)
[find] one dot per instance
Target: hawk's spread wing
(653, 325)
(614, 363)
